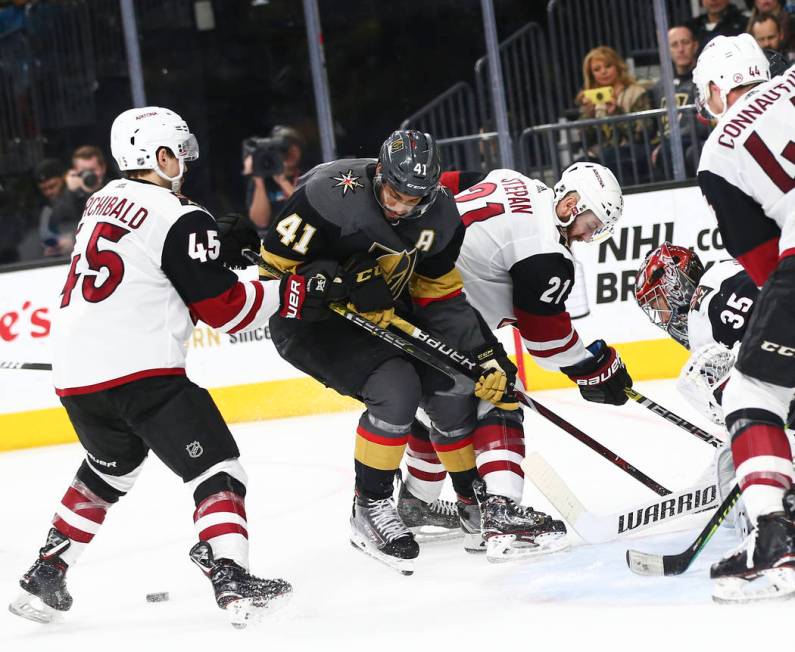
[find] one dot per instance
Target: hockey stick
(462, 384)
(644, 563)
(666, 414)
(464, 372)
(32, 366)
(599, 528)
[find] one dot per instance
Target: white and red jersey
(516, 266)
(747, 175)
(143, 271)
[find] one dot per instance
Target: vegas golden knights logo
(397, 266)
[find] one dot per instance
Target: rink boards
(249, 380)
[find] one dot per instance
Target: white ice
(300, 488)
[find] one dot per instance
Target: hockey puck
(157, 597)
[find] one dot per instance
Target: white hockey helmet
(728, 62)
(599, 192)
(137, 134)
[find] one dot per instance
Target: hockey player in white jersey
(745, 174)
(518, 269)
(144, 269)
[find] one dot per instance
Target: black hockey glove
(365, 286)
(306, 294)
(497, 378)
(602, 378)
(236, 233)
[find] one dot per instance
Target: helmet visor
(188, 149)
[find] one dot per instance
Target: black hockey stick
(459, 367)
(666, 414)
(462, 383)
(644, 563)
(32, 366)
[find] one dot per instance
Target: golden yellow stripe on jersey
(279, 262)
(377, 452)
(425, 289)
(457, 459)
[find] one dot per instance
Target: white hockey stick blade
(600, 528)
(642, 563)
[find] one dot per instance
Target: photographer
(87, 175)
(272, 167)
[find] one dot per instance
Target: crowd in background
(608, 89)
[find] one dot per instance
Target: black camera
(267, 155)
(90, 180)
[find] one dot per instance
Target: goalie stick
(10, 365)
(666, 414)
(645, 563)
(463, 371)
(600, 528)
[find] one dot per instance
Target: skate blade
(474, 543)
(434, 534)
(770, 585)
(506, 547)
(31, 607)
(251, 611)
(402, 566)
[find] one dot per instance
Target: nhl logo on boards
(194, 449)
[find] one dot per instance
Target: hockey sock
(499, 451)
(82, 510)
(762, 457)
(426, 473)
(458, 457)
(220, 517)
(379, 449)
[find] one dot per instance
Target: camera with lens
(89, 178)
(267, 155)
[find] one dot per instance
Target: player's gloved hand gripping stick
(464, 372)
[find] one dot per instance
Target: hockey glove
(306, 294)
(236, 233)
(366, 289)
(602, 378)
(497, 378)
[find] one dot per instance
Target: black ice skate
(44, 595)
(763, 567)
(469, 522)
(244, 597)
(376, 529)
(515, 532)
(429, 522)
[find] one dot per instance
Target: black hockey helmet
(410, 164)
(778, 64)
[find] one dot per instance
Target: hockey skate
(245, 598)
(429, 522)
(469, 522)
(763, 567)
(44, 595)
(515, 532)
(376, 530)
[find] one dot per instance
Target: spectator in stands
(49, 177)
(86, 176)
(786, 22)
(720, 18)
(268, 192)
(684, 48)
(766, 29)
(616, 146)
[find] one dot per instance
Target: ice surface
(300, 486)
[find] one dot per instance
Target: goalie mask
(138, 134)
(410, 164)
(599, 192)
(664, 286)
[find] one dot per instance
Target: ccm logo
(786, 351)
(602, 377)
(293, 299)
